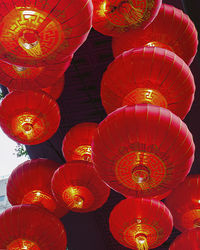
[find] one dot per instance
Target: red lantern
(140, 223)
(77, 186)
(189, 240)
(29, 117)
(56, 90)
(112, 18)
(36, 33)
(142, 150)
(148, 75)
(171, 29)
(184, 203)
(31, 227)
(30, 183)
(23, 78)
(77, 142)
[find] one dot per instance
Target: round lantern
(29, 117)
(78, 140)
(187, 240)
(140, 223)
(27, 78)
(171, 29)
(148, 75)
(39, 33)
(30, 183)
(112, 18)
(142, 150)
(77, 186)
(31, 227)
(184, 203)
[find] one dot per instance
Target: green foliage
(20, 150)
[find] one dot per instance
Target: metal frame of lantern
(142, 150)
(171, 29)
(148, 75)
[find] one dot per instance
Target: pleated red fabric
(184, 203)
(133, 218)
(114, 17)
(77, 186)
(37, 33)
(142, 150)
(29, 117)
(30, 183)
(78, 140)
(171, 29)
(148, 75)
(31, 227)
(189, 240)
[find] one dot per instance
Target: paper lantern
(77, 186)
(184, 203)
(30, 183)
(171, 29)
(187, 240)
(142, 150)
(78, 140)
(113, 18)
(37, 33)
(140, 223)
(31, 78)
(148, 75)
(29, 117)
(31, 227)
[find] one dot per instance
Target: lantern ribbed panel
(153, 70)
(189, 240)
(30, 176)
(32, 223)
(184, 203)
(142, 139)
(20, 78)
(114, 17)
(78, 136)
(29, 117)
(36, 33)
(140, 216)
(171, 28)
(82, 176)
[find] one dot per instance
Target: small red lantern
(184, 203)
(140, 223)
(171, 29)
(148, 75)
(189, 240)
(37, 33)
(142, 150)
(27, 78)
(31, 227)
(112, 18)
(78, 140)
(29, 117)
(77, 186)
(30, 183)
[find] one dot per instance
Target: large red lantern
(148, 75)
(27, 78)
(140, 223)
(36, 33)
(189, 240)
(78, 140)
(30, 183)
(77, 186)
(30, 227)
(113, 18)
(142, 150)
(184, 203)
(29, 117)
(171, 29)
